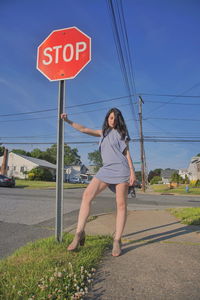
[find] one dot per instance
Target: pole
(141, 144)
(60, 163)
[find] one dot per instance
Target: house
(17, 164)
(76, 171)
(166, 175)
(183, 173)
(194, 168)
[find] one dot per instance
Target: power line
(55, 116)
(172, 119)
(123, 51)
(169, 95)
(150, 140)
(71, 106)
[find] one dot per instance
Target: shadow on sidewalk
(157, 237)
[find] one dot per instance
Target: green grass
(45, 270)
(163, 188)
(189, 216)
(32, 184)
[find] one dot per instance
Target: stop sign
(64, 53)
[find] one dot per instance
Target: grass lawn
(164, 188)
(190, 215)
(45, 270)
(32, 184)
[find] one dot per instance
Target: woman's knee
(122, 205)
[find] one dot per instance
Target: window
(22, 169)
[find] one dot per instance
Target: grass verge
(32, 184)
(189, 216)
(163, 188)
(45, 270)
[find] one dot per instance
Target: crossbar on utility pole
(141, 144)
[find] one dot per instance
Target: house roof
(168, 173)
(39, 162)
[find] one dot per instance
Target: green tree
(177, 178)
(153, 173)
(2, 150)
(198, 154)
(22, 152)
(95, 159)
(155, 180)
(40, 174)
(37, 153)
(71, 156)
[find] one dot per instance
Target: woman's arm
(132, 169)
(80, 127)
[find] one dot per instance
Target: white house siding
(17, 164)
(194, 168)
(183, 173)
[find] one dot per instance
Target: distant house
(17, 164)
(74, 171)
(183, 173)
(194, 168)
(166, 175)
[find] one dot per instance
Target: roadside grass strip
(189, 215)
(163, 188)
(35, 184)
(46, 270)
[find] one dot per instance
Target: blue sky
(164, 43)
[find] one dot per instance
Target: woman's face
(111, 120)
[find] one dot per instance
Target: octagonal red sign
(64, 53)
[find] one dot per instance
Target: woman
(117, 173)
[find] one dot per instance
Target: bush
(197, 183)
(40, 174)
(155, 180)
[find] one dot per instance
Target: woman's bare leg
(121, 201)
(93, 189)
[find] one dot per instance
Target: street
(26, 215)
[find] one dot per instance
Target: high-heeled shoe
(79, 239)
(116, 251)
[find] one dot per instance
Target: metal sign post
(62, 55)
(60, 163)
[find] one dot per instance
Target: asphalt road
(26, 215)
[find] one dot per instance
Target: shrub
(197, 183)
(155, 180)
(40, 174)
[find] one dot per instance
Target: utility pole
(141, 144)
(4, 162)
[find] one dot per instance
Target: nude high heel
(116, 251)
(79, 239)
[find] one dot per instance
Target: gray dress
(115, 164)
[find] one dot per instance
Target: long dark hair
(120, 124)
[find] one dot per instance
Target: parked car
(74, 180)
(7, 181)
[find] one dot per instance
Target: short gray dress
(115, 164)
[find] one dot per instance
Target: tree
(177, 178)
(95, 159)
(153, 173)
(2, 150)
(22, 152)
(198, 154)
(155, 180)
(71, 156)
(37, 153)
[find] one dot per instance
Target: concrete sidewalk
(160, 259)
